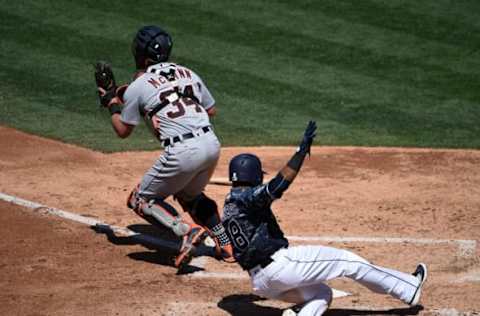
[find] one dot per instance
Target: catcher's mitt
(106, 86)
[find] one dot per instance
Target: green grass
(371, 73)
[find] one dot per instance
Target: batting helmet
(246, 169)
(151, 45)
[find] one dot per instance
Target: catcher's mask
(151, 45)
(245, 169)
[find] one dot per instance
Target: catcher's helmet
(245, 169)
(152, 44)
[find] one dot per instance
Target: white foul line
(89, 221)
(466, 247)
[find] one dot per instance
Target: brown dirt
(50, 266)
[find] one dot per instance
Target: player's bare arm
(122, 129)
(212, 111)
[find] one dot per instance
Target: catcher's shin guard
(158, 210)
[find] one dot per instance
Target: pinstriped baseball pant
(302, 270)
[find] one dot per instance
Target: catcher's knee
(142, 204)
(203, 210)
(158, 210)
(134, 200)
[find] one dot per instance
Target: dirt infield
(396, 206)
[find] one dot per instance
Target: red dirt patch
(50, 266)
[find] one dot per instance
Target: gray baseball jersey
(179, 116)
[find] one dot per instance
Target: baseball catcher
(176, 105)
(296, 274)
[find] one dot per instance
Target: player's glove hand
(105, 81)
(308, 137)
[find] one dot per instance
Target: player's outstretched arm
(282, 180)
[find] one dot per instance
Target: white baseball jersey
(166, 83)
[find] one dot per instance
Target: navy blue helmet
(245, 169)
(151, 45)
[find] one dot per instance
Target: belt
(260, 266)
(179, 138)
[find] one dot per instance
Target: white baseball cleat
(289, 312)
(421, 274)
(209, 242)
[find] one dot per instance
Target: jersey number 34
(184, 100)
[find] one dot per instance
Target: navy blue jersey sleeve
(260, 198)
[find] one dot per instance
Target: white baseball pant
(297, 274)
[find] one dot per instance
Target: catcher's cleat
(421, 274)
(225, 253)
(194, 237)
